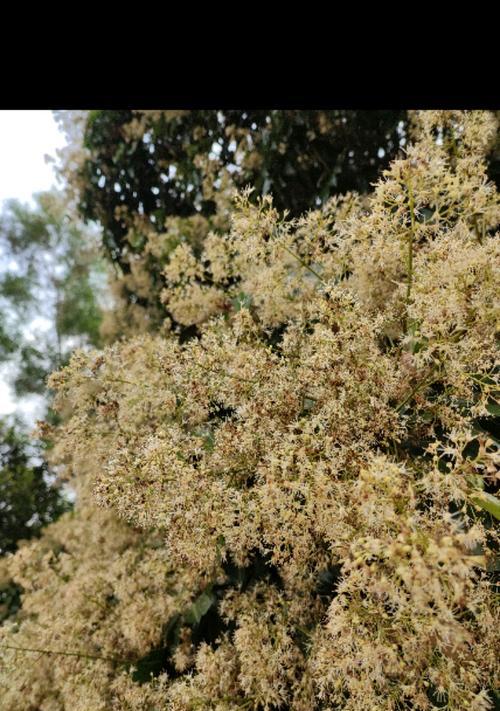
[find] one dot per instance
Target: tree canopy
(142, 174)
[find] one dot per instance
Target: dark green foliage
(28, 500)
(301, 157)
(494, 167)
(10, 599)
(78, 312)
(34, 365)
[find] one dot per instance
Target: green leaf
(209, 442)
(494, 565)
(486, 501)
(493, 408)
(200, 607)
(471, 450)
(242, 301)
(119, 153)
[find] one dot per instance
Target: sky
(26, 137)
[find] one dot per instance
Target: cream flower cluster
(316, 469)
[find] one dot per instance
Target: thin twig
(219, 371)
(306, 266)
(418, 386)
(411, 205)
(81, 655)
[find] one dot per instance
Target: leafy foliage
(27, 500)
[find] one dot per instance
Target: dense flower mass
(296, 506)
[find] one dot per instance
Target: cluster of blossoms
(296, 506)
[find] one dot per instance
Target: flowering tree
(296, 508)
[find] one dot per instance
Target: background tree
(50, 284)
(27, 500)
